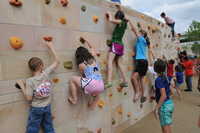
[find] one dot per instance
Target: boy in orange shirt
(188, 72)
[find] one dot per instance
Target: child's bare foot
(92, 105)
(70, 99)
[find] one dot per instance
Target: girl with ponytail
(165, 106)
(117, 47)
(142, 63)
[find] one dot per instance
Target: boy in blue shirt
(179, 80)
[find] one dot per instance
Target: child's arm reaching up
(57, 61)
(133, 28)
(165, 58)
(154, 56)
(118, 6)
(93, 52)
(112, 20)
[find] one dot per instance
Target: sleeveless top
(119, 33)
(90, 72)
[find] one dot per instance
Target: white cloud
(182, 11)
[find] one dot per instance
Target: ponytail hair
(145, 36)
(159, 67)
(121, 16)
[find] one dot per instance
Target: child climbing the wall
(92, 82)
(117, 47)
(170, 68)
(165, 106)
(179, 80)
(142, 63)
(170, 22)
(38, 90)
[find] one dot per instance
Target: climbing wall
(35, 19)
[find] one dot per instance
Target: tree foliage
(196, 48)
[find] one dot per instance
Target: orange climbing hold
(159, 55)
(177, 42)
(88, 104)
(149, 26)
(111, 94)
(100, 103)
(151, 64)
(142, 16)
(136, 118)
(129, 67)
(145, 80)
(119, 88)
(154, 46)
(129, 114)
(166, 26)
(63, 20)
(98, 54)
(64, 2)
(167, 44)
(151, 100)
(120, 110)
(159, 36)
(163, 25)
(96, 19)
(133, 54)
(15, 42)
(149, 84)
(16, 2)
(53, 117)
(55, 80)
(48, 38)
(156, 28)
(172, 53)
(99, 130)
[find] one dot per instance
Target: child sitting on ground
(170, 68)
(170, 22)
(165, 106)
(179, 80)
(92, 82)
(38, 90)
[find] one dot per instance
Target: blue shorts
(38, 116)
(179, 85)
(165, 112)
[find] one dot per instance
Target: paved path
(185, 116)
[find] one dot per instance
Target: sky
(182, 11)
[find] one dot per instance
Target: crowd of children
(38, 88)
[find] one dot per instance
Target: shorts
(40, 116)
(142, 67)
(165, 112)
(179, 85)
(117, 48)
(91, 86)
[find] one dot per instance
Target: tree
(196, 48)
(185, 48)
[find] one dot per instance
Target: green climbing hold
(169, 36)
(156, 45)
(138, 24)
(68, 64)
(113, 122)
(141, 105)
(47, 1)
(158, 22)
(125, 93)
(153, 30)
(82, 40)
(109, 43)
(83, 8)
(165, 35)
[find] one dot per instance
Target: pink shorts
(91, 86)
(117, 48)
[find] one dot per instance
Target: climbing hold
(156, 28)
(158, 22)
(48, 38)
(165, 35)
(142, 16)
(63, 20)
(107, 16)
(149, 84)
(163, 25)
(167, 44)
(82, 40)
(151, 100)
(129, 114)
(166, 26)
(149, 26)
(55, 80)
(153, 30)
(156, 45)
(170, 33)
(68, 64)
(53, 117)
(17, 86)
(151, 64)
(159, 55)
(100, 103)
(98, 54)
(96, 19)
(99, 130)
(177, 42)
(132, 29)
(128, 67)
(88, 104)
(163, 56)
(125, 93)
(110, 94)
(145, 80)
(47, 1)
(15, 42)
(175, 47)
(153, 46)
(159, 36)
(176, 36)
(172, 53)
(120, 110)
(141, 105)
(168, 36)
(83, 8)
(136, 118)
(119, 88)
(133, 54)
(64, 2)
(16, 2)
(138, 24)
(113, 122)
(109, 42)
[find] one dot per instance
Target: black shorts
(142, 67)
